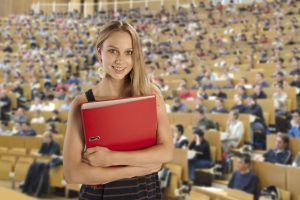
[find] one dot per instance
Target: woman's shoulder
(79, 100)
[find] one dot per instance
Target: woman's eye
(113, 51)
(129, 52)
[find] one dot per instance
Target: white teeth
(119, 68)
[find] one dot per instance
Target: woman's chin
(118, 77)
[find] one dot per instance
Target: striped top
(137, 188)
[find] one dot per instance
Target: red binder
(120, 124)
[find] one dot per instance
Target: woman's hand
(98, 157)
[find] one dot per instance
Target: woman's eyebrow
(112, 46)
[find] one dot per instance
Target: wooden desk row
(190, 120)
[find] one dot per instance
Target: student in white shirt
(38, 118)
(4, 129)
(48, 105)
(234, 131)
(37, 105)
(67, 104)
(280, 98)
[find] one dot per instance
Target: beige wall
(9, 7)
(49, 8)
(22, 6)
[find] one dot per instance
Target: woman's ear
(99, 54)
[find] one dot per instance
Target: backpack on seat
(37, 180)
(270, 192)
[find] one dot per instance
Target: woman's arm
(76, 171)
(158, 154)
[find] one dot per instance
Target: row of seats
(16, 157)
(284, 177)
(26, 143)
(291, 92)
(189, 120)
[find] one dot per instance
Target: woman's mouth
(119, 70)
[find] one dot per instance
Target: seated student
(219, 93)
(280, 77)
(3, 128)
(260, 80)
(26, 130)
(38, 117)
(259, 93)
(180, 140)
(172, 95)
(201, 93)
(255, 109)
(5, 105)
(19, 116)
(178, 106)
(280, 98)
(258, 125)
(203, 122)
(295, 122)
(37, 178)
(185, 93)
(17, 127)
(51, 127)
(238, 104)
(219, 108)
(242, 91)
(36, 104)
(234, 131)
(229, 84)
(280, 154)
(200, 104)
(47, 105)
(202, 157)
(243, 178)
(161, 84)
(55, 117)
(49, 147)
(67, 104)
(296, 82)
(196, 85)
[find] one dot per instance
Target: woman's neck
(111, 88)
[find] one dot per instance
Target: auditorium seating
(294, 145)
(13, 150)
(175, 179)
(11, 194)
(284, 177)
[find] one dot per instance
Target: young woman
(134, 173)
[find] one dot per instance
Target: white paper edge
(113, 102)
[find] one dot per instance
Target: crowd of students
(55, 54)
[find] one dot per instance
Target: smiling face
(116, 55)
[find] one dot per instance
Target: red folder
(120, 124)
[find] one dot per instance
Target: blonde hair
(137, 82)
